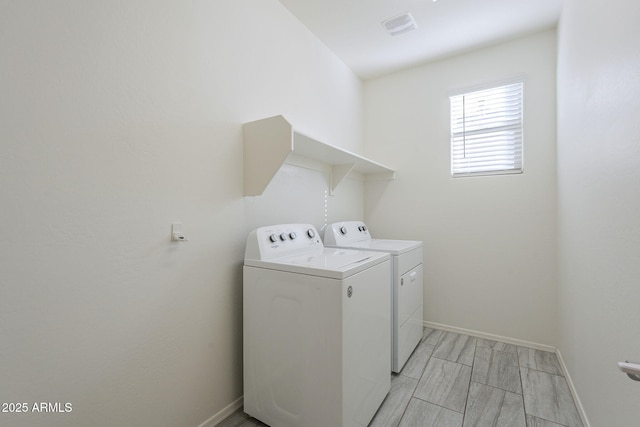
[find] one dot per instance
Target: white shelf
(268, 143)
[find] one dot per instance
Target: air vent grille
(400, 24)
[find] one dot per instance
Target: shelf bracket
(267, 144)
(338, 173)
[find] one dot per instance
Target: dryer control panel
(280, 240)
(345, 233)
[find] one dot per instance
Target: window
(486, 131)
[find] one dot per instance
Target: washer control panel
(279, 240)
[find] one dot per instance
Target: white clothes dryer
(407, 287)
(316, 336)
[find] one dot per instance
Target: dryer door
(409, 300)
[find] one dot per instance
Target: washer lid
(394, 247)
(335, 263)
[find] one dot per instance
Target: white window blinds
(486, 131)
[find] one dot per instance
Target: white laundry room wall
(117, 119)
(599, 204)
(489, 242)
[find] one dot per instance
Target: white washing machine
(316, 336)
(407, 286)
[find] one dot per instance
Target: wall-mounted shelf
(268, 143)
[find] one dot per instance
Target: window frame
(511, 148)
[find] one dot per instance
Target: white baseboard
(574, 393)
(224, 413)
(521, 343)
(493, 337)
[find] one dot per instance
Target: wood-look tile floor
(454, 380)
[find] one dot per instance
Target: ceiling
(353, 29)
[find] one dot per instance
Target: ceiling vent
(400, 24)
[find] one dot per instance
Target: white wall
(490, 257)
(116, 119)
(599, 203)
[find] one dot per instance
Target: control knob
(273, 238)
(311, 233)
(343, 230)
